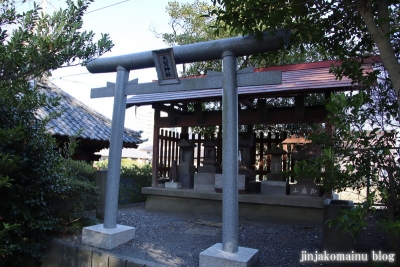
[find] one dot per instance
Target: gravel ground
(176, 239)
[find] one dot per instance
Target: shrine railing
(168, 151)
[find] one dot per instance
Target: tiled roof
(297, 78)
(78, 118)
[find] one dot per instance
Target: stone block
(186, 180)
(215, 256)
(173, 185)
(305, 190)
(99, 259)
(44, 262)
(273, 188)
(115, 262)
(219, 179)
(56, 253)
(101, 237)
(280, 176)
(334, 237)
(255, 187)
(204, 181)
(101, 181)
(70, 256)
(209, 169)
(186, 169)
(84, 257)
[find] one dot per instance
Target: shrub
(36, 181)
(80, 170)
(43, 196)
(101, 165)
(82, 195)
(32, 44)
(133, 178)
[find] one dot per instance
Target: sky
(129, 24)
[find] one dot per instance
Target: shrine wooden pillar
(155, 160)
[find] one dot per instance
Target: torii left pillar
(110, 234)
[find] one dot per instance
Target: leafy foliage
(31, 167)
(364, 145)
(80, 170)
(334, 25)
(36, 181)
(344, 30)
(40, 44)
(82, 193)
(352, 220)
(191, 23)
(133, 178)
(306, 169)
(189, 26)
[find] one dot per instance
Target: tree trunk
(381, 36)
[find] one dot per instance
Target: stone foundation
(274, 208)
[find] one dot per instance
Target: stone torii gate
(109, 234)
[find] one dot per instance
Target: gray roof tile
(76, 116)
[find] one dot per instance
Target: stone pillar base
(204, 181)
(273, 188)
(186, 180)
(173, 185)
(241, 182)
(215, 256)
(100, 237)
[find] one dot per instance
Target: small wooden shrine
(299, 81)
(258, 160)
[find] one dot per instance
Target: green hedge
(133, 178)
(82, 194)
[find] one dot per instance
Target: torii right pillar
(228, 253)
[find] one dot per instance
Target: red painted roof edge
(315, 65)
(302, 66)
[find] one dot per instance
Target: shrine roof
(296, 79)
(78, 119)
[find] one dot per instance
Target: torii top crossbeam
(211, 50)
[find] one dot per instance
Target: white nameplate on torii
(213, 80)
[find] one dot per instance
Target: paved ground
(176, 239)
